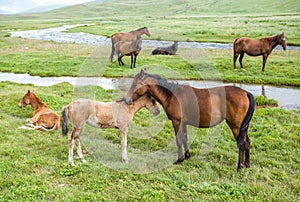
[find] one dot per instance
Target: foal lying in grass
(102, 115)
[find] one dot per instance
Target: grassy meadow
(33, 164)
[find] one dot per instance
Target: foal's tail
(247, 119)
(64, 127)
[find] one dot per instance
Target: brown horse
(203, 108)
(128, 36)
(170, 50)
(43, 118)
(102, 115)
(128, 48)
(254, 47)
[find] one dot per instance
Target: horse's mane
(165, 86)
(39, 100)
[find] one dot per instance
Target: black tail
(64, 127)
(112, 51)
(247, 119)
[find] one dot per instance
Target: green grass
(34, 164)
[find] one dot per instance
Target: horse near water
(256, 47)
(126, 36)
(170, 50)
(128, 48)
(202, 108)
(102, 115)
(43, 118)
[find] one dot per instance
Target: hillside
(214, 21)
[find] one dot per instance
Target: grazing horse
(170, 50)
(254, 47)
(102, 115)
(43, 118)
(128, 48)
(127, 36)
(202, 108)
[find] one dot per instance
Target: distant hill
(41, 9)
(15, 6)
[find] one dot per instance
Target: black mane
(165, 86)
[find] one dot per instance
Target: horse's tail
(64, 127)
(112, 50)
(246, 121)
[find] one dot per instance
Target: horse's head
(25, 100)
(282, 41)
(151, 105)
(138, 88)
(146, 31)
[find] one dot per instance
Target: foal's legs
(79, 150)
(123, 132)
(75, 135)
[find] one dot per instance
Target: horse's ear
(28, 92)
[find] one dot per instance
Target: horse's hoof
(83, 160)
(187, 154)
(72, 164)
(179, 161)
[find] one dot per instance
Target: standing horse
(128, 36)
(170, 50)
(102, 115)
(254, 47)
(128, 48)
(43, 118)
(203, 108)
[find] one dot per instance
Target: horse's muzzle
(20, 105)
(128, 101)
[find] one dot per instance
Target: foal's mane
(38, 100)
(164, 86)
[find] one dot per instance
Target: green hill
(219, 21)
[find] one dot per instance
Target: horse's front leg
(187, 154)
(247, 151)
(265, 57)
(179, 140)
(123, 131)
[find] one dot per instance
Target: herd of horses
(184, 105)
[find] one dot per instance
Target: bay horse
(256, 47)
(202, 108)
(115, 114)
(128, 48)
(126, 36)
(170, 50)
(43, 118)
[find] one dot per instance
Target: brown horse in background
(102, 115)
(254, 47)
(128, 48)
(128, 36)
(202, 108)
(43, 117)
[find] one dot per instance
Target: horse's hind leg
(247, 151)
(71, 148)
(235, 56)
(241, 59)
(79, 150)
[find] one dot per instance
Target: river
(290, 100)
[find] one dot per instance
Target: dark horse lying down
(254, 47)
(171, 50)
(202, 108)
